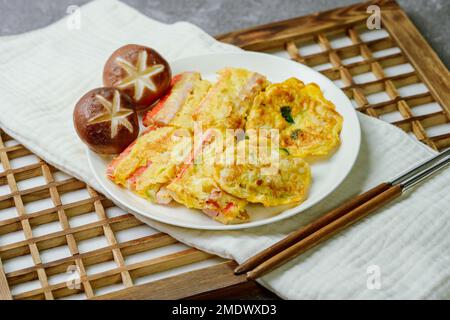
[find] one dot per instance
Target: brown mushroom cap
(106, 120)
(138, 71)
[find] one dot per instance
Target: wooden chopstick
(272, 257)
(343, 216)
(310, 228)
(325, 232)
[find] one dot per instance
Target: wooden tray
(55, 230)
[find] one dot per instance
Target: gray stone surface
(219, 16)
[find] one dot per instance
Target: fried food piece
(308, 123)
(151, 162)
(177, 106)
(228, 101)
(273, 180)
(195, 187)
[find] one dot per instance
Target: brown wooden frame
(213, 281)
(428, 68)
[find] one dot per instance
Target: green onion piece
(286, 113)
(285, 150)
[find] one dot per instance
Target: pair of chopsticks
(339, 218)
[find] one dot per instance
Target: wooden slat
(424, 59)
(182, 286)
(49, 215)
(242, 291)
(290, 35)
(275, 34)
(113, 276)
(5, 293)
(23, 173)
(25, 224)
(93, 257)
(350, 21)
(69, 237)
(83, 232)
(112, 241)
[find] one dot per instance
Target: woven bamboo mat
(61, 239)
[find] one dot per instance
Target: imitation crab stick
(251, 86)
(131, 181)
(204, 193)
(194, 153)
(228, 101)
(111, 169)
(115, 162)
(168, 107)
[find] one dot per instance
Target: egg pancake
(177, 106)
(195, 187)
(307, 122)
(227, 103)
(273, 180)
(151, 161)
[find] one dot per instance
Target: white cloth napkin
(403, 251)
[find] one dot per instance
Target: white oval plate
(327, 175)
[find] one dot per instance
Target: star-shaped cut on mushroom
(113, 112)
(140, 75)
